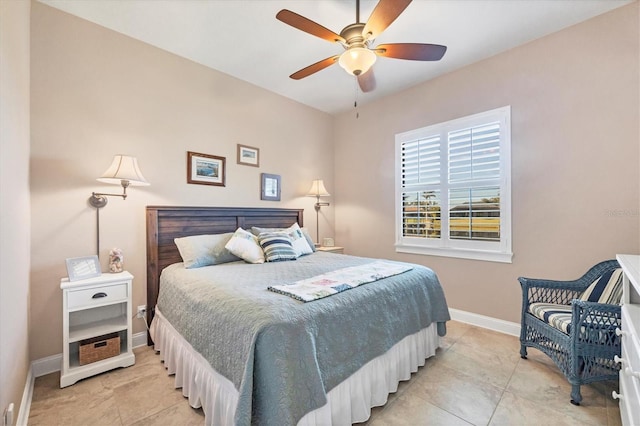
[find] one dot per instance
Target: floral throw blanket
(340, 280)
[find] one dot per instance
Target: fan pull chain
(355, 102)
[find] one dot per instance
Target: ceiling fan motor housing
(353, 33)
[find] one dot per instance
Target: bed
(251, 356)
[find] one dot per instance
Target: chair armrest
(595, 322)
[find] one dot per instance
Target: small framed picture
(270, 188)
(204, 169)
(79, 268)
(328, 242)
(248, 155)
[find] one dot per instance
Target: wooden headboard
(165, 223)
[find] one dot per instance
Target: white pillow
(298, 240)
(245, 245)
(204, 250)
(307, 236)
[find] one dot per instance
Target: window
(453, 188)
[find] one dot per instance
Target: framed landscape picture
(248, 155)
(204, 169)
(270, 187)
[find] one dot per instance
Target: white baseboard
(25, 403)
(483, 321)
(48, 365)
(139, 339)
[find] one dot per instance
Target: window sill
(484, 255)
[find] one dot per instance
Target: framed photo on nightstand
(79, 268)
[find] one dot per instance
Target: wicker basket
(99, 348)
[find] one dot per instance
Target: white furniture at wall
(92, 308)
(629, 395)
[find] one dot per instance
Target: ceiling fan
(356, 39)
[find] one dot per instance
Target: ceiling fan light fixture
(357, 60)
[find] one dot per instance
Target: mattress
(283, 356)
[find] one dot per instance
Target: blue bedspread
(283, 355)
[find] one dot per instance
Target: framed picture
(204, 169)
(270, 188)
(248, 155)
(79, 268)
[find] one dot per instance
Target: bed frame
(164, 223)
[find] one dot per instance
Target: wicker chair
(583, 353)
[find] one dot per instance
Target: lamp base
(97, 201)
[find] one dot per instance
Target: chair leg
(523, 351)
(576, 397)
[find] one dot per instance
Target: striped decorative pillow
(277, 246)
(606, 289)
(300, 239)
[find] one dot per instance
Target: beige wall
(575, 159)
(14, 201)
(96, 93)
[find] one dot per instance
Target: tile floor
(476, 378)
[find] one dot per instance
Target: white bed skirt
(347, 403)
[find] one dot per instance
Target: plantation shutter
(421, 162)
(420, 197)
(474, 182)
(474, 154)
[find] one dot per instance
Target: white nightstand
(334, 249)
(91, 308)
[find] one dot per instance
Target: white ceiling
(242, 38)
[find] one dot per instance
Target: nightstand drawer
(96, 295)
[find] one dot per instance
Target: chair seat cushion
(606, 289)
(557, 316)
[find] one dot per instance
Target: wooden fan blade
(314, 68)
(367, 81)
(385, 12)
(308, 26)
(411, 51)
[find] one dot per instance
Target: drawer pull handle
(629, 372)
(99, 295)
(100, 344)
(616, 395)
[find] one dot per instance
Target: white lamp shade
(124, 167)
(318, 189)
(357, 60)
